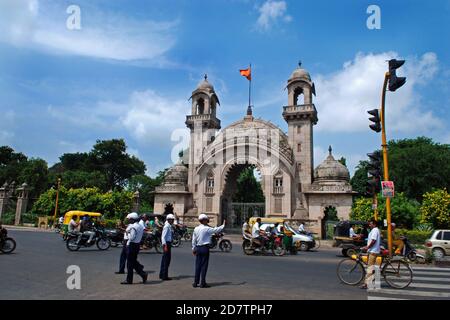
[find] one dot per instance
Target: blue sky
(130, 69)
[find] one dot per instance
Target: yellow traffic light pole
(385, 159)
(57, 199)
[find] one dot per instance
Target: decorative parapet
(209, 120)
(329, 189)
(300, 112)
(171, 189)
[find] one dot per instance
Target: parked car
(439, 244)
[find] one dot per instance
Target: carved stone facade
(204, 180)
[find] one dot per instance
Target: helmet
(133, 216)
(202, 217)
(170, 217)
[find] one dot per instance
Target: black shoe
(126, 282)
(166, 279)
(119, 272)
(205, 286)
(144, 278)
(194, 285)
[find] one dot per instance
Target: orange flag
(246, 73)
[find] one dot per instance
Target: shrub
(8, 218)
(435, 208)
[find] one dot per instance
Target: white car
(439, 244)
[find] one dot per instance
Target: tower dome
(331, 170)
(205, 85)
(176, 175)
(300, 74)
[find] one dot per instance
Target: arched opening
(168, 209)
(243, 195)
(298, 92)
(330, 218)
(200, 106)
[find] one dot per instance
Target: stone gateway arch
(204, 180)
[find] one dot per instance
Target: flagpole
(250, 88)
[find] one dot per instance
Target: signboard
(387, 189)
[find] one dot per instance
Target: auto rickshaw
(68, 216)
(342, 239)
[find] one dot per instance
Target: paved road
(37, 270)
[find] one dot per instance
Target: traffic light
(376, 126)
(394, 81)
(374, 173)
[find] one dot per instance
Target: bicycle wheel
(397, 274)
(350, 272)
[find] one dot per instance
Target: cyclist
(373, 248)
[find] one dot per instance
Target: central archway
(243, 195)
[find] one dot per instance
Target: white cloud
(270, 12)
(344, 97)
(25, 24)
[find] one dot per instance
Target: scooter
(410, 252)
(224, 244)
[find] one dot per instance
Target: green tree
(417, 166)
(404, 212)
(110, 157)
(248, 188)
(35, 173)
(435, 208)
(11, 163)
(359, 179)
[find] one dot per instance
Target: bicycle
(396, 271)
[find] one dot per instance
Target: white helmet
(170, 217)
(202, 217)
(133, 216)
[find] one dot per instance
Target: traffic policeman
(134, 232)
(166, 241)
(201, 240)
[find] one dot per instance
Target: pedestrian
(301, 228)
(135, 232)
(373, 248)
(201, 240)
(166, 241)
(124, 252)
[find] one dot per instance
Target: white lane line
(411, 293)
(432, 269)
(431, 273)
(430, 285)
(431, 279)
(383, 298)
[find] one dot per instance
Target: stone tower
(301, 115)
(203, 124)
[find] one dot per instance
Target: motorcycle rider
(87, 228)
(74, 226)
(3, 231)
(397, 242)
(256, 233)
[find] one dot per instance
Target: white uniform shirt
(374, 235)
(135, 232)
(301, 228)
(166, 233)
(255, 230)
(202, 235)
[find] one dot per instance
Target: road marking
(431, 269)
(431, 279)
(412, 293)
(383, 298)
(430, 285)
(431, 273)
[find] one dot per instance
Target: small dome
(176, 175)
(205, 85)
(300, 73)
(331, 170)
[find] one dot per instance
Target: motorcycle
(274, 244)
(7, 244)
(152, 240)
(183, 232)
(410, 252)
(74, 241)
(115, 235)
(224, 244)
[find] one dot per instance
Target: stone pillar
(136, 202)
(4, 199)
(22, 202)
